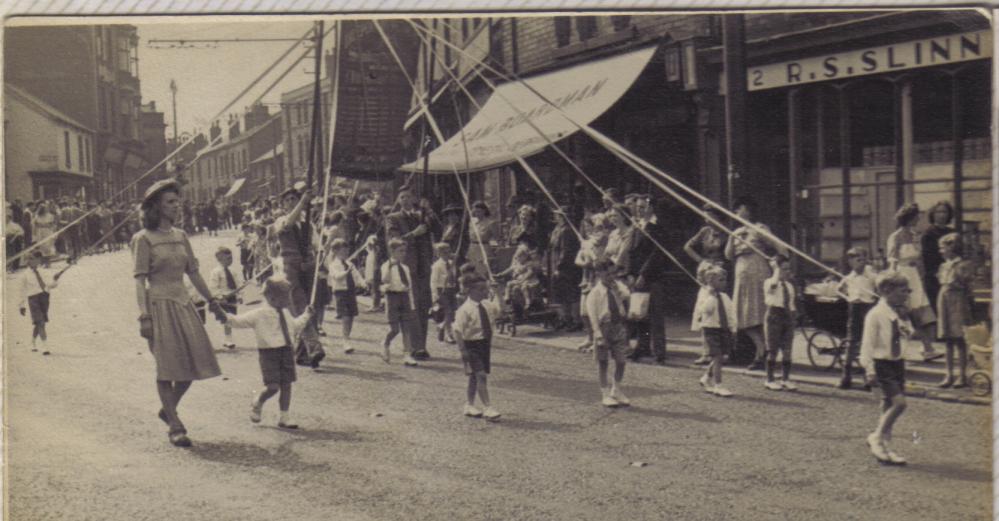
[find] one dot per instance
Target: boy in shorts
(344, 278)
(474, 323)
(276, 330)
(223, 284)
(35, 286)
(398, 290)
(715, 317)
(885, 326)
(605, 307)
(858, 287)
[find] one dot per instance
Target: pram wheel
(981, 383)
(824, 350)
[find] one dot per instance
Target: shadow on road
(539, 425)
(376, 376)
(583, 391)
(670, 415)
(772, 402)
(246, 455)
(946, 470)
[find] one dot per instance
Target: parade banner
(374, 98)
(501, 131)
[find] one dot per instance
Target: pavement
(383, 442)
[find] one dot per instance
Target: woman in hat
(481, 235)
(563, 246)
(526, 229)
(905, 255)
(176, 336)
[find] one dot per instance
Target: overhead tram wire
(159, 164)
(618, 150)
(576, 167)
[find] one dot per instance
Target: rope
(163, 161)
(576, 167)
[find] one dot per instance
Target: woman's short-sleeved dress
(180, 344)
(905, 248)
(751, 270)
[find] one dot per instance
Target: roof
(45, 108)
(306, 91)
(241, 137)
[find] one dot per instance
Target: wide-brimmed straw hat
(157, 187)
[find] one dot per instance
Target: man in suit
(648, 266)
(412, 225)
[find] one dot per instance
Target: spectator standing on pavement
(455, 232)
(714, 316)
(885, 327)
(780, 297)
(275, 327)
(954, 306)
(858, 286)
(605, 306)
(43, 226)
(751, 270)
(474, 324)
(707, 248)
(27, 221)
(481, 235)
(14, 237)
(563, 246)
(648, 269)
(940, 216)
(904, 252)
(177, 338)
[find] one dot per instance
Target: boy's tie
(896, 340)
(351, 287)
(230, 282)
(402, 275)
(722, 313)
(38, 277)
(612, 306)
(487, 327)
(284, 326)
(450, 275)
(784, 294)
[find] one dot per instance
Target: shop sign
(928, 52)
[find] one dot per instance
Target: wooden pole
(734, 57)
(844, 159)
(316, 123)
(957, 139)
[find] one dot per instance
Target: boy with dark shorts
(223, 284)
(276, 330)
(778, 323)
(35, 286)
(715, 317)
(445, 290)
(344, 278)
(474, 323)
(858, 287)
(398, 290)
(605, 306)
(885, 326)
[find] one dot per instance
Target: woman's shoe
(163, 416)
(179, 438)
(946, 383)
(960, 384)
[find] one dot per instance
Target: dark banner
(374, 97)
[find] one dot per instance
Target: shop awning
(236, 185)
(583, 92)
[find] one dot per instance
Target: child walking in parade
(344, 278)
(245, 243)
(35, 286)
(715, 317)
(445, 290)
(474, 324)
(275, 328)
(399, 300)
(954, 307)
(605, 305)
(778, 326)
(885, 327)
(223, 284)
(858, 287)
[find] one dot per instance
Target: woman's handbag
(638, 305)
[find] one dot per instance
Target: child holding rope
(223, 284)
(344, 277)
(605, 305)
(445, 290)
(858, 286)
(715, 316)
(35, 286)
(474, 324)
(398, 290)
(778, 324)
(275, 330)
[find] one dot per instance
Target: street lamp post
(173, 94)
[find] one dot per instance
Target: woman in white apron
(905, 255)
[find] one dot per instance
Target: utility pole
(173, 93)
(317, 125)
(734, 59)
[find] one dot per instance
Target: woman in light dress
(905, 255)
(481, 235)
(43, 226)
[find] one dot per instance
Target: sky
(209, 78)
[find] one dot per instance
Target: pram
(979, 342)
(824, 327)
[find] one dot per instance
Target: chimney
(214, 132)
(255, 116)
(233, 125)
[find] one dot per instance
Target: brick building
(831, 98)
(89, 73)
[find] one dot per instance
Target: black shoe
(845, 383)
(757, 365)
(421, 355)
(660, 361)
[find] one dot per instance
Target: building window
(464, 29)
(447, 38)
(69, 157)
(563, 30)
(620, 23)
(87, 156)
(79, 153)
(586, 27)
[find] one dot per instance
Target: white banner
(584, 92)
(873, 60)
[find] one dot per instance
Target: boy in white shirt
(223, 284)
(885, 326)
(858, 287)
(443, 284)
(35, 286)
(605, 307)
(276, 330)
(715, 317)
(778, 323)
(398, 290)
(344, 278)
(474, 324)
